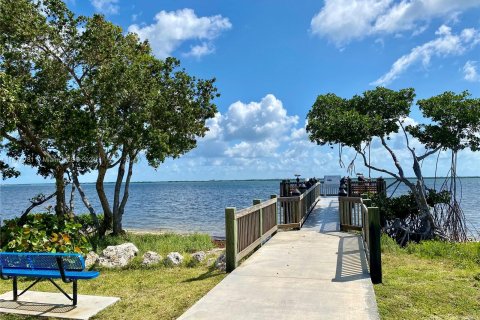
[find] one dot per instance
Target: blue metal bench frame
(69, 267)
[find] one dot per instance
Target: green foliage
(434, 197)
(161, 243)
(79, 94)
(352, 121)
(43, 233)
(405, 206)
(456, 120)
(86, 220)
(401, 207)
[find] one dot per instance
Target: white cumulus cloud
(172, 28)
(255, 129)
(257, 121)
(106, 6)
(470, 71)
(446, 44)
(342, 21)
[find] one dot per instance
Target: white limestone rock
(173, 259)
(221, 263)
(91, 259)
(118, 256)
(199, 256)
(151, 258)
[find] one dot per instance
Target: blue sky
(272, 58)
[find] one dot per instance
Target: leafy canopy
(456, 122)
(352, 121)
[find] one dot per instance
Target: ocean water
(193, 206)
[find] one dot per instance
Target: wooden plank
(248, 249)
(254, 208)
(351, 199)
(274, 196)
(289, 226)
(346, 227)
(375, 246)
(231, 240)
(245, 252)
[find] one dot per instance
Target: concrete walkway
(315, 273)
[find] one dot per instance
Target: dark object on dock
(295, 192)
(285, 188)
(342, 190)
(357, 188)
(302, 188)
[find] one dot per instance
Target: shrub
(42, 233)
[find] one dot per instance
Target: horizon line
(214, 180)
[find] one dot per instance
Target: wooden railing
(328, 189)
(293, 211)
(356, 215)
(248, 229)
(357, 188)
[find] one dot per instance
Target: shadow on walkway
(351, 260)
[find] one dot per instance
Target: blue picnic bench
(69, 267)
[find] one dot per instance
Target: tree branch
(394, 157)
(40, 200)
(365, 162)
(428, 153)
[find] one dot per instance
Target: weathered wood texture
(355, 215)
(248, 228)
(293, 211)
(357, 188)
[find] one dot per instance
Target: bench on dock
(69, 267)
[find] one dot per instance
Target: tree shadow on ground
(212, 272)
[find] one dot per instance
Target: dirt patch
(219, 243)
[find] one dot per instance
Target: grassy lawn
(431, 280)
(148, 292)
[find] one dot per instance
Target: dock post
(274, 196)
(375, 247)
(255, 202)
(231, 235)
(299, 213)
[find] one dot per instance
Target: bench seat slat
(55, 274)
(41, 260)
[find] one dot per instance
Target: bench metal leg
(15, 288)
(74, 292)
(29, 287)
(72, 298)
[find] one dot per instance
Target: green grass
(430, 280)
(162, 243)
(156, 292)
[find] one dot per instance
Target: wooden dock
(317, 272)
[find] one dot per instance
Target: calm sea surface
(191, 206)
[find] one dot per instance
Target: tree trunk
(86, 202)
(126, 190)
(427, 226)
(117, 218)
(107, 213)
(426, 217)
(60, 193)
(71, 206)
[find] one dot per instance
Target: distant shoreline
(206, 181)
